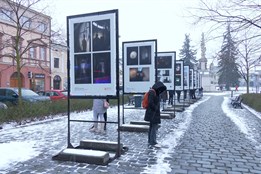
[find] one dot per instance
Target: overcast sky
(163, 20)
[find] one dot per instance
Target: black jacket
(152, 113)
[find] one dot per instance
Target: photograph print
(132, 55)
(164, 62)
(101, 35)
(179, 75)
(145, 55)
(186, 77)
(178, 80)
(82, 69)
(191, 78)
(178, 68)
(101, 68)
(139, 74)
(82, 35)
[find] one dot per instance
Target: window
(42, 53)
(25, 22)
(32, 53)
(2, 92)
(56, 62)
(41, 27)
(10, 93)
(5, 14)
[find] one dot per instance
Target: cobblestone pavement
(202, 139)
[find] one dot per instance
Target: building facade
(24, 47)
(209, 76)
(59, 66)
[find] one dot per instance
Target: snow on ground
(241, 120)
(29, 144)
(171, 141)
(12, 152)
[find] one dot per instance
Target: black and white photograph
(186, 77)
(101, 35)
(132, 56)
(82, 37)
(178, 69)
(145, 55)
(178, 80)
(191, 78)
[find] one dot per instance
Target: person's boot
(101, 128)
(94, 128)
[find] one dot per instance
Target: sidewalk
(202, 139)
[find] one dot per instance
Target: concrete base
(100, 145)
(140, 122)
(134, 128)
(167, 115)
(181, 109)
(182, 104)
(83, 156)
(91, 152)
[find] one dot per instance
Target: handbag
(106, 104)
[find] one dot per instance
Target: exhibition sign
(165, 68)
(139, 65)
(93, 53)
(179, 73)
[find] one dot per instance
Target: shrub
(253, 100)
(37, 111)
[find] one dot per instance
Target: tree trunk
(18, 68)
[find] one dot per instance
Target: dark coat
(152, 113)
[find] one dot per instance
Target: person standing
(178, 95)
(152, 113)
(98, 115)
(105, 116)
(171, 94)
(164, 97)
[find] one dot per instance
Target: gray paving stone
(212, 143)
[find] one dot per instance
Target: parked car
(3, 106)
(11, 95)
(54, 94)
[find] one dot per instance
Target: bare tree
(241, 14)
(24, 30)
(249, 52)
(244, 16)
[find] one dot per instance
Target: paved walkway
(208, 137)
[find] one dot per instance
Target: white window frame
(26, 22)
(56, 58)
(32, 53)
(42, 27)
(42, 53)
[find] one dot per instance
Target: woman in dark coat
(152, 113)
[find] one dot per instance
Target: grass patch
(253, 100)
(38, 111)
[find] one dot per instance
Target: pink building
(32, 32)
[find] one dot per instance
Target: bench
(131, 100)
(234, 99)
(237, 102)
